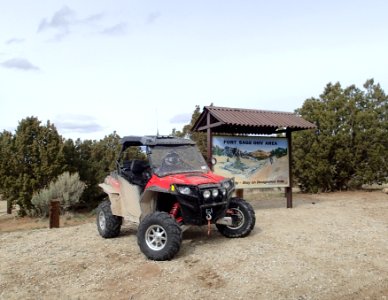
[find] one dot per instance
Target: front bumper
(196, 209)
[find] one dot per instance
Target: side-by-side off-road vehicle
(165, 194)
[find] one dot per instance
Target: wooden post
(209, 143)
(240, 193)
(54, 213)
(9, 206)
(289, 188)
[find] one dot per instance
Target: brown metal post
(289, 188)
(240, 193)
(54, 213)
(9, 206)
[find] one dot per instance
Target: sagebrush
(67, 188)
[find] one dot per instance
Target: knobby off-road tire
(159, 236)
(108, 225)
(243, 217)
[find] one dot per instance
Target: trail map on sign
(254, 162)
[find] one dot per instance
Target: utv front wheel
(108, 225)
(243, 219)
(159, 236)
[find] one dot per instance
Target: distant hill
(260, 154)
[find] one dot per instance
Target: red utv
(171, 190)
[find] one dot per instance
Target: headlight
(206, 194)
(185, 190)
(227, 185)
(223, 191)
(214, 193)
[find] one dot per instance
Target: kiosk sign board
(253, 161)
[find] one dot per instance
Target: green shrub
(350, 145)
(67, 188)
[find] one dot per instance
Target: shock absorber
(175, 209)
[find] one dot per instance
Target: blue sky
(92, 67)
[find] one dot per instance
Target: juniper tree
(350, 146)
(94, 160)
(33, 157)
(198, 137)
(7, 173)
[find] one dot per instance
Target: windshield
(167, 160)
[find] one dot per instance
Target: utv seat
(135, 171)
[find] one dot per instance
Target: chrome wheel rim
(239, 216)
(156, 237)
(102, 220)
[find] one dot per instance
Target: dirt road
(329, 246)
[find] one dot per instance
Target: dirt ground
(329, 246)
(9, 223)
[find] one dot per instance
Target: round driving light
(215, 193)
(206, 194)
(223, 191)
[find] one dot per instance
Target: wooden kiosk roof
(249, 121)
(234, 121)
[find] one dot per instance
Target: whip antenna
(157, 122)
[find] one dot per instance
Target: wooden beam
(200, 120)
(210, 126)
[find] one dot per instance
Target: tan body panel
(127, 203)
(130, 199)
(148, 202)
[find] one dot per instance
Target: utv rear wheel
(243, 218)
(159, 236)
(108, 225)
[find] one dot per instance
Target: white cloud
(92, 18)
(64, 20)
(74, 123)
(15, 41)
(19, 63)
(152, 17)
(181, 119)
(61, 20)
(118, 29)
